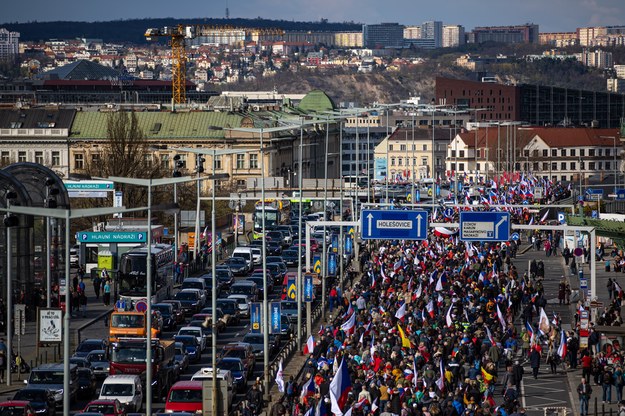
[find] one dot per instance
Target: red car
(106, 407)
(16, 408)
(314, 245)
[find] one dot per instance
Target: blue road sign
(141, 306)
(335, 243)
(111, 237)
(561, 217)
(515, 237)
(449, 212)
(397, 224)
(595, 214)
(308, 287)
(276, 318)
(484, 226)
(594, 191)
(620, 194)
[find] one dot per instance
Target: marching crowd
(429, 330)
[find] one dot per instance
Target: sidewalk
(28, 344)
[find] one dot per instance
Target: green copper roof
(160, 125)
(316, 101)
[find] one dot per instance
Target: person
(535, 361)
(584, 390)
(255, 397)
(3, 365)
(610, 286)
(83, 303)
(517, 374)
(562, 290)
(107, 292)
(333, 298)
(104, 274)
(75, 283)
(81, 285)
(97, 285)
(618, 383)
(621, 408)
(606, 385)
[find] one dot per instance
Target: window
(39, 157)
(599, 166)
(56, 159)
(572, 152)
(165, 161)
(414, 161)
(390, 147)
(607, 152)
(477, 166)
(545, 166)
(400, 161)
(402, 148)
(453, 153)
(591, 152)
(392, 161)
(526, 152)
(599, 151)
(607, 165)
(582, 152)
(479, 153)
(461, 167)
(563, 166)
(425, 147)
(21, 156)
(240, 161)
(148, 158)
(562, 152)
(424, 161)
(554, 152)
(241, 183)
(591, 165)
(217, 162)
(79, 161)
(453, 166)
(253, 161)
(345, 146)
(582, 165)
(544, 152)
(183, 161)
(461, 154)
(5, 158)
(554, 166)
(573, 164)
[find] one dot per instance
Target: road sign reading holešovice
(484, 226)
(394, 224)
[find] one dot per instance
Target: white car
(243, 302)
(195, 331)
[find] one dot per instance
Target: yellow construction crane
(180, 33)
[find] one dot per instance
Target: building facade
(596, 59)
(453, 36)
(383, 35)
(559, 39)
(9, 45)
(506, 34)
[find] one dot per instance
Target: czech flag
(310, 346)
(340, 386)
(562, 347)
(349, 325)
(401, 312)
(308, 389)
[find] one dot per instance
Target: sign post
(484, 226)
(394, 224)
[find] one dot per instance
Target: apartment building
(9, 45)
(453, 36)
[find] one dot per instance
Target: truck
(128, 357)
(132, 323)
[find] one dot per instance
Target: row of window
(546, 166)
(571, 152)
(165, 161)
(403, 147)
(399, 161)
(52, 158)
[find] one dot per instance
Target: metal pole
(299, 233)
(368, 166)
(214, 292)
(388, 139)
(10, 307)
(66, 390)
(148, 332)
(196, 240)
(175, 229)
(324, 271)
(593, 265)
(341, 190)
(48, 267)
(357, 166)
(264, 256)
(412, 170)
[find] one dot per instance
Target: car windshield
(116, 390)
(97, 357)
(46, 377)
(128, 355)
(236, 353)
(191, 332)
(30, 395)
(187, 341)
(164, 310)
(105, 409)
(186, 296)
(88, 346)
(192, 285)
(185, 395)
(230, 365)
(128, 321)
(227, 307)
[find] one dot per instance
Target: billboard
(379, 169)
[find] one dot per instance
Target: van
(194, 283)
(247, 288)
(206, 373)
(247, 254)
(125, 388)
(257, 254)
(51, 377)
(185, 396)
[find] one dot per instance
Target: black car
(277, 237)
(167, 312)
(291, 256)
(86, 383)
(273, 248)
(191, 302)
(208, 280)
(231, 308)
(277, 274)
(287, 329)
(41, 400)
(224, 276)
(258, 279)
(88, 345)
(237, 265)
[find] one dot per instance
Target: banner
(308, 287)
(335, 243)
(332, 264)
(349, 245)
(291, 288)
(238, 223)
(317, 263)
(276, 317)
(255, 317)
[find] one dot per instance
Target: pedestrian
(610, 286)
(562, 290)
(81, 285)
(333, 298)
(517, 374)
(107, 292)
(83, 303)
(75, 283)
(584, 390)
(535, 361)
(3, 365)
(618, 383)
(97, 285)
(606, 384)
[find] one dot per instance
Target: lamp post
(149, 183)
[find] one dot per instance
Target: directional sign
(449, 212)
(397, 224)
(561, 217)
(255, 317)
(111, 237)
(594, 191)
(308, 287)
(620, 194)
(515, 237)
(484, 226)
(106, 186)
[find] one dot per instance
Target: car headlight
(108, 368)
(169, 411)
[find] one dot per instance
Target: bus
(273, 216)
(306, 204)
(132, 282)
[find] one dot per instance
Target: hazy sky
(551, 15)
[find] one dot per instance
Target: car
(201, 292)
(278, 237)
(205, 326)
(127, 388)
(178, 311)
(258, 279)
(185, 396)
(289, 309)
(191, 345)
(274, 259)
(88, 345)
(257, 254)
(286, 327)
(196, 332)
(52, 377)
(208, 279)
(81, 362)
(291, 256)
(276, 272)
(245, 287)
(181, 358)
(244, 352)
(100, 363)
(244, 304)
(230, 309)
(16, 408)
(238, 266)
(206, 316)
(314, 245)
(257, 341)
(41, 400)
(237, 368)
(106, 407)
(167, 314)
(225, 277)
(287, 234)
(191, 301)
(87, 383)
(273, 248)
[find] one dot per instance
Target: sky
(550, 15)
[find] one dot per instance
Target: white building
(9, 45)
(596, 59)
(620, 71)
(453, 36)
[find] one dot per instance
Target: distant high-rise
(9, 45)
(527, 33)
(433, 30)
(384, 35)
(453, 36)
